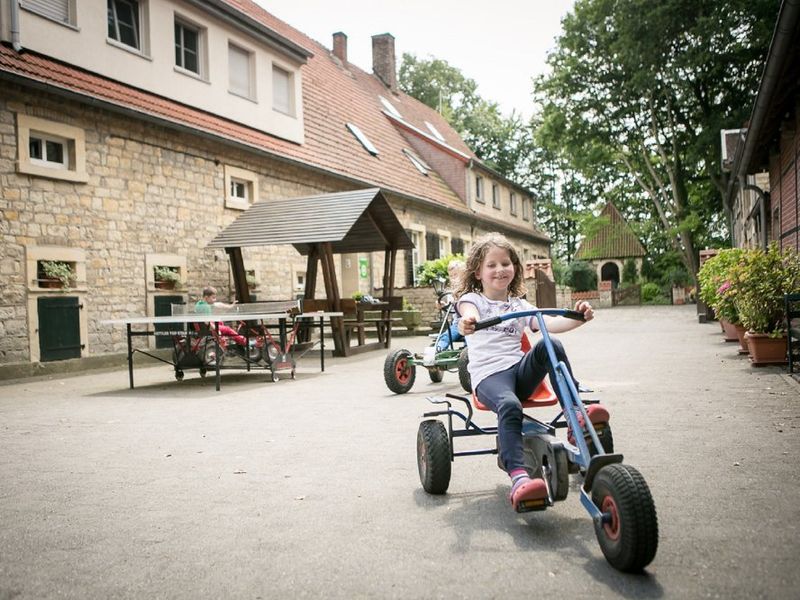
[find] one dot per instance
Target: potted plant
(410, 315)
(251, 281)
(716, 291)
(166, 278)
(56, 274)
(761, 279)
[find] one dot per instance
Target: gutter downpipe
(15, 33)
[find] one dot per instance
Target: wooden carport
(318, 227)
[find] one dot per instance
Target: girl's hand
(584, 307)
(466, 326)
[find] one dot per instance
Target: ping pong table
(277, 355)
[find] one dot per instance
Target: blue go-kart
(614, 494)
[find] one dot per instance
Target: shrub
(581, 276)
(650, 293)
(714, 278)
(431, 270)
(629, 275)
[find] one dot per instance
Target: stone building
(610, 246)
(133, 131)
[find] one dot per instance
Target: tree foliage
(638, 93)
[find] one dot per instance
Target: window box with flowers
(166, 278)
(55, 274)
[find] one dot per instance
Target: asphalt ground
(309, 488)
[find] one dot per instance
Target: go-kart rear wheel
(436, 374)
(463, 371)
(606, 439)
(179, 375)
(628, 535)
(433, 456)
(399, 372)
(203, 372)
(559, 477)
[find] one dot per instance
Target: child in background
(204, 307)
(501, 373)
(455, 271)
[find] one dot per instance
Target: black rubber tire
(398, 371)
(463, 372)
(433, 456)
(559, 480)
(179, 375)
(630, 541)
(436, 374)
(606, 438)
(203, 372)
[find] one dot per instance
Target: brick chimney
(340, 46)
(383, 62)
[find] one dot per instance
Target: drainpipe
(15, 38)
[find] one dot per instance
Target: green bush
(431, 270)
(629, 275)
(651, 292)
(581, 276)
(715, 279)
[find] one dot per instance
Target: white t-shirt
(498, 347)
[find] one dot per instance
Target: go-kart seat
(543, 395)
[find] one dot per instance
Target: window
(50, 149)
(241, 188)
(495, 196)
(61, 11)
(300, 281)
(512, 203)
(390, 107)
(444, 243)
(417, 162)
(416, 255)
(187, 47)
(431, 246)
(479, 188)
(123, 22)
(240, 69)
(525, 209)
(282, 90)
(434, 131)
(363, 139)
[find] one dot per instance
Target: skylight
(434, 131)
(390, 107)
(417, 162)
(363, 139)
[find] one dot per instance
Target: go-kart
(400, 366)
(614, 494)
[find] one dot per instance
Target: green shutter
(59, 328)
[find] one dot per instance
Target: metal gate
(59, 328)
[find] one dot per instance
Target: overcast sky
(500, 44)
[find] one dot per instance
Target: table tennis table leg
(322, 344)
(130, 356)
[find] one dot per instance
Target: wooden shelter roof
(353, 221)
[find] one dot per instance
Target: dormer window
(363, 139)
(123, 22)
(282, 90)
(390, 107)
(434, 131)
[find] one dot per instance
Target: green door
(162, 307)
(59, 328)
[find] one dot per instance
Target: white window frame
(143, 47)
(250, 94)
(45, 161)
(434, 131)
(496, 196)
(73, 168)
(418, 163)
(479, 189)
(445, 248)
(290, 109)
(418, 251)
(512, 203)
(249, 178)
(362, 139)
(40, 8)
(202, 53)
(525, 210)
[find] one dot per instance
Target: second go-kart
(400, 366)
(614, 494)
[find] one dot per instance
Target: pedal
(524, 506)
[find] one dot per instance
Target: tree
(637, 95)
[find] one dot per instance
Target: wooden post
(239, 274)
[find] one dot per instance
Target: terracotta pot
(766, 350)
(164, 285)
(740, 331)
(729, 330)
(50, 283)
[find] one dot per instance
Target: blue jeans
(443, 341)
(502, 391)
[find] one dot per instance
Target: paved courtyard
(309, 488)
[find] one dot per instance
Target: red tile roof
(613, 240)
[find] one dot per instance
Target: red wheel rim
(401, 371)
(612, 527)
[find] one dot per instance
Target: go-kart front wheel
(628, 534)
(436, 374)
(433, 456)
(399, 372)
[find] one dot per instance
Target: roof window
(417, 162)
(434, 131)
(390, 107)
(363, 139)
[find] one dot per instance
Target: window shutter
(58, 10)
(457, 246)
(431, 246)
(409, 264)
(239, 70)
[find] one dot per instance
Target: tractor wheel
(628, 533)
(463, 372)
(436, 374)
(433, 456)
(399, 372)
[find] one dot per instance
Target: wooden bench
(792, 309)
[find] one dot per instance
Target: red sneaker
(528, 494)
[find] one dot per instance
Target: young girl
(501, 373)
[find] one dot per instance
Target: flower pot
(50, 282)
(766, 350)
(740, 331)
(729, 331)
(162, 284)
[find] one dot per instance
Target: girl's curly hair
(475, 257)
